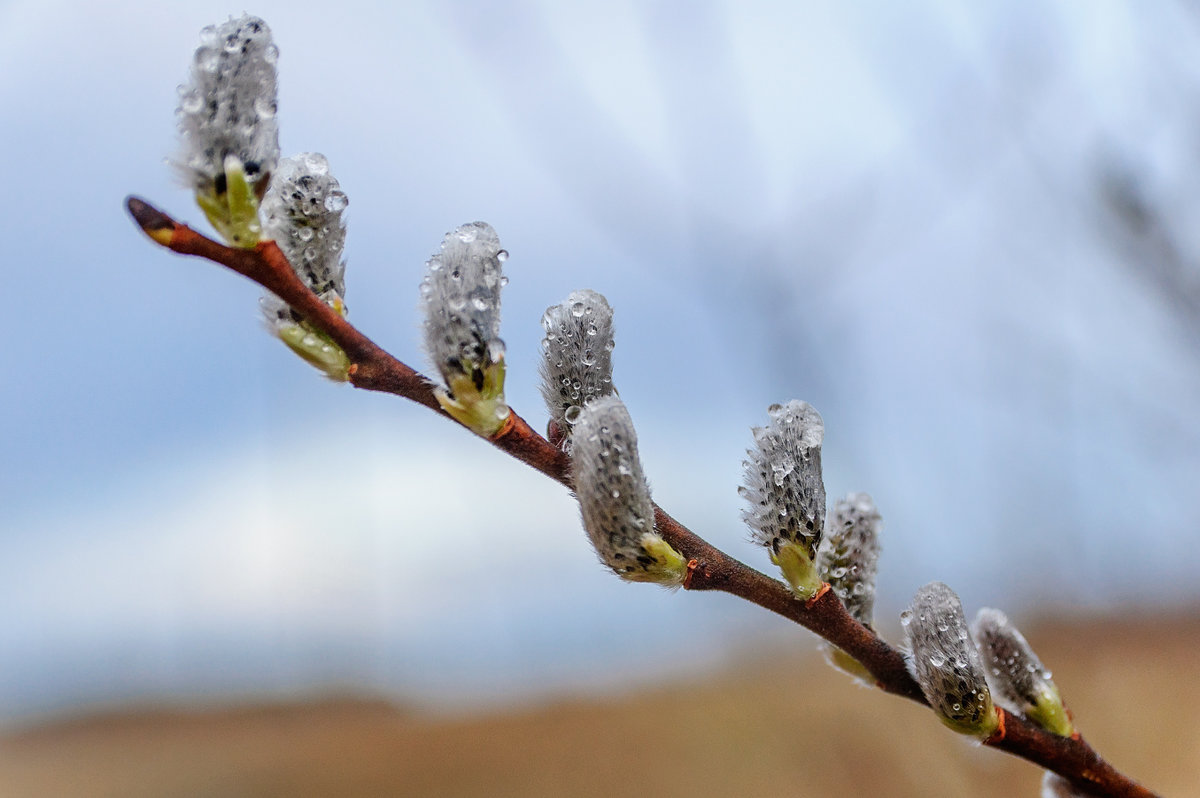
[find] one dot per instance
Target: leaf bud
(227, 123)
(943, 660)
(1019, 681)
(848, 560)
(786, 494)
(460, 296)
(614, 497)
(576, 365)
(302, 211)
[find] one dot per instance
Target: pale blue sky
(894, 214)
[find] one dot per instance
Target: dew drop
(264, 107)
(191, 102)
(906, 618)
(573, 413)
(502, 255)
(207, 59)
(305, 234)
(336, 201)
(577, 309)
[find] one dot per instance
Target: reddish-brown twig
(709, 568)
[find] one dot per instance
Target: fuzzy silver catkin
(944, 661)
(849, 556)
(1015, 673)
(783, 481)
(302, 211)
(460, 296)
(228, 106)
(576, 365)
(614, 498)
(1019, 681)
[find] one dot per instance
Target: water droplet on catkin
(336, 201)
(264, 107)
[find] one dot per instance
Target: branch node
(808, 605)
(997, 735)
(555, 434)
(510, 421)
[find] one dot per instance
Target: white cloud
(423, 562)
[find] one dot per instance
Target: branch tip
(153, 222)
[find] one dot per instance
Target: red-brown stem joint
(999, 733)
(808, 605)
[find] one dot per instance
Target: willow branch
(709, 568)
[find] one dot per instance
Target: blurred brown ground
(773, 726)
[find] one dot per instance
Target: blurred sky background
(964, 231)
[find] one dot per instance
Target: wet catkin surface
(781, 725)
